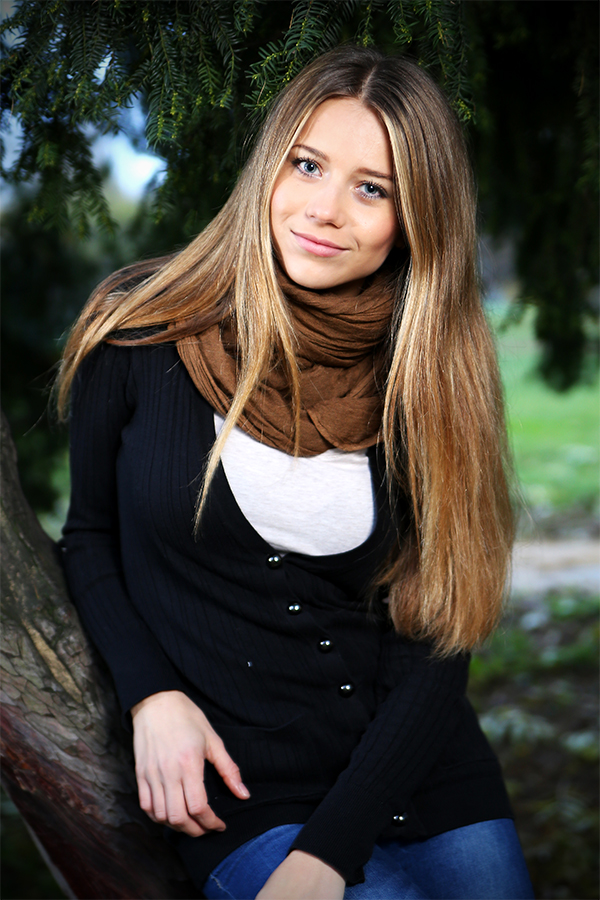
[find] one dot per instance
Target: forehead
(346, 128)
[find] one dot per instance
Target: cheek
(280, 201)
(386, 234)
(273, 208)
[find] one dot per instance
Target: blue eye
(306, 166)
(372, 191)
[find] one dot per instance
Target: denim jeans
(478, 862)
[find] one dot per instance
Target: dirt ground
(543, 565)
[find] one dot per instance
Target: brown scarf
(340, 356)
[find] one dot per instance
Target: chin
(316, 281)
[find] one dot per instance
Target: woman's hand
(303, 877)
(171, 739)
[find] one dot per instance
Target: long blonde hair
(443, 423)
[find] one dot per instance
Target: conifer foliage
(204, 70)
(522, 76)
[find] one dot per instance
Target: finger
(197, 802)
(227, 769)
(208, 820)
(145, 798)
(158, 802)
(177, 816)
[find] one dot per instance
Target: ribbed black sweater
(334, 720)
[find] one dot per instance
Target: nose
(326, 204)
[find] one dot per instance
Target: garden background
(535, 683)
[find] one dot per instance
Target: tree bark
(67, 762)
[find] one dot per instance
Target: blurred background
(92, 180)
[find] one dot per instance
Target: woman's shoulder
(141, 344)
(124, 356)
(138, 378)
(139, 335)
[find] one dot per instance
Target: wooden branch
(67, 762)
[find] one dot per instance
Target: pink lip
(318, 246)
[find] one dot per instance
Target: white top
(316, 505)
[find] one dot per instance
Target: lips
(317, 246)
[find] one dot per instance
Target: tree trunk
(67, 762)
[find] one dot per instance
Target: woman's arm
(303, 877)
(172, 737)
(396, 752)
(103, 402)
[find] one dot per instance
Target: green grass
(554, 436)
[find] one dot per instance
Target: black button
(325, 646)
(294, 609)
(398, 821)
(274, 562)
(346, 690)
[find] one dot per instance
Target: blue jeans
(478, 862)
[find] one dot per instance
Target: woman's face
(333, 220)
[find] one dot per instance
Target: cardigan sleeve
(103, 402)
(394, 755)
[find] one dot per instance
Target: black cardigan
(335, 720)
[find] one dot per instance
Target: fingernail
(243, 790)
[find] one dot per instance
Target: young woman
(289, 520)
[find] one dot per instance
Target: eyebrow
(320, 155)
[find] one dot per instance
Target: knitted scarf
(341, 359)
